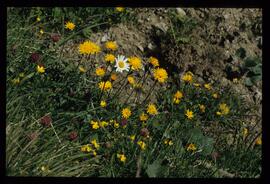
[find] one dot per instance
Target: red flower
(35, 57)
(46, 120)
(55, 37)
(124, 122)
(73, 135)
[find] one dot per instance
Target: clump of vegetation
(89, 112)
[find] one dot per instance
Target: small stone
(181, 12)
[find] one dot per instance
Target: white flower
(121, 64)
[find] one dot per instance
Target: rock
(181, 12)
(105, 38)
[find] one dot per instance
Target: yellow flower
(94, 153)
(161, 75)
(178, 94)
(82, 69)
(16, 81)
(135, 63)
(38, 19)
(224, 109)
(88, 47)
(121, 157)
(151, 109)
(191, 147)
(103, 103)
(131, 80)
(143, 117)
(208, 86)
(86, 148)
(120, 9)
(94, 124)
(100, 72)
(126, 113)
(189, 114)
(40, 69)
(197, 84)
(258, 141)
(215, 95)
(41, 31)
(245, 132)
(202, 108)
(176, 100)
(105, 85)
(113, 77)
(110, 58)
(111, 45)
(168, 141)
(218, 113)
(154, 61)
(188, 77)
(69, 25)
(44, 168)
(95, 144)
(132, 137)
(103, 123)
(116, 125)
(142, 144)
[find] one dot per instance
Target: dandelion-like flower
(86, 148)
(111, 45)
(110, 58)
(82, 69)
(131, 80)
(95, 144)
(143, 117)
(94, 124)
(100, 72)
(89, 47)
(103, 103)
(224, 109)
(160, 75)
(152, 110)
(258, 141)
(105, 86)
(135, 63)
(40, 69)
(70, 25)
(202, 108)
(142, 145)
(113, 77)
(119, 9)
(177, 97)
(121, 157)
(208, 86)
(191, 147)
(121, 64)
(154, 61)
(188, 77)
(189, 114)
(126, 113)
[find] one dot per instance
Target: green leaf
(157, 125)
(250, 62)
(154, 169)
(256, 78)
(257, 70)
(207, 145)
(241, 52)
(248, 82)
(195, 135)
(87, 32)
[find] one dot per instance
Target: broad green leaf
(248, 82)
(154, 169)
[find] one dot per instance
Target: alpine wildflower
(188, 77)
(105, 86)
(95, 144)
(189, 114)
(100, 72)
(109, 58)
(154, 61)
(70, 25)
(202, 108)
(113, 77)
(103, 124)
(89, 47)
(160, 75)
(38, 19)
(121, 157)
(40, 69)
(94, 124)
(152, 110)
(132, 137)
(135, 63)
(131, 80)
(245, 132)
(111, 45)
(41, 31)
(86, 148)
(121, 64)
(207, 86)
(143, 117)
(103, 103)
(215, 95)
(191, 147)
(126, 113)
(224, 109)
(142, 145)
(258, 141)
(177, 97)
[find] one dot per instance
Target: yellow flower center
(121, 64)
